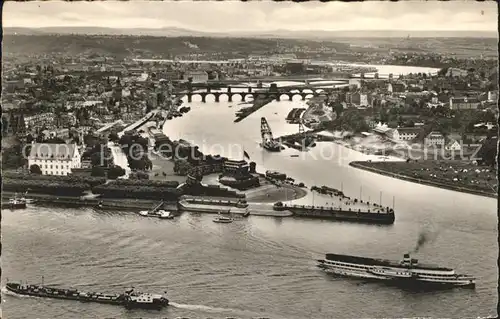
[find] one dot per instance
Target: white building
(434, 139)
(406, 133)
(55, 159)
(492, 96)
(453, 145)
(39, 120)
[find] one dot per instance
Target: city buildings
(464, 103)
(396, 87)
(406, 133)
(434, 138)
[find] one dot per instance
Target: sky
(239, 16)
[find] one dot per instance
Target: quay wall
(107, 204)
(209, 208)
(210, 201)
(352, 215)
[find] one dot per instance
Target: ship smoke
(425, 237)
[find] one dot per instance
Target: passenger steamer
(407, 271)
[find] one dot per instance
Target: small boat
(162, 214)
(223, 219)
(144, 213)
(295, 155)
(16, 202)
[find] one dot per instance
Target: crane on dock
(268, 142)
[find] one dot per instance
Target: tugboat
(129, 299)
(162, 214)
(145, 213)
(222, 219)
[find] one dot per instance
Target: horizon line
(255, 31)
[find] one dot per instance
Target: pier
(342, 208)
(380, 216)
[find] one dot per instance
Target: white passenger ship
(407, 271)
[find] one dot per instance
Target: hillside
(283, 34)
(126, 45)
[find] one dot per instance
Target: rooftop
(52, 151)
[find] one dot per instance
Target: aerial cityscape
(249, 160)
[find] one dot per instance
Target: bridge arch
(283, 96)
(210, 97)
(297, 96)
(234, 97)
(194, 97)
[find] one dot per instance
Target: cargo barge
(130, 299)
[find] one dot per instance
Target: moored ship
(130, 299)
(16, 202)
(268, 142)
(405, 272)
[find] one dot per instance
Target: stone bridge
(277, 93)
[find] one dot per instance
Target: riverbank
(453, 175)
(126, 204)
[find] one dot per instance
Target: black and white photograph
(249, 159)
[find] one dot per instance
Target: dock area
(338, 206)
(219, 201)
(214, 206)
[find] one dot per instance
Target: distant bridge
(306, 80)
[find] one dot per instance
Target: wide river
(259, 267)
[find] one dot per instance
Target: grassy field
(161, 166)
(456, 175)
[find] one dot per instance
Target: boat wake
(200, 307)
(7, 292)
(208, 309)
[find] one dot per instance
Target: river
(260, 267)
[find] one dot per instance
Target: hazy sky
(257, 16)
